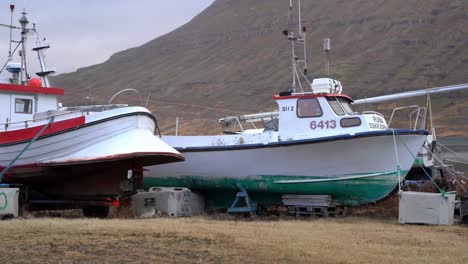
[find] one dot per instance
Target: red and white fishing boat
(70, 155)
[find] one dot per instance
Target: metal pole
(300, 22)
(327, 48)
(327, 55)
(24, 36)
(12, 8)
(177, 126)
(40, 56)
(293, 53)
(304, 36)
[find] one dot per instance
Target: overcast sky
(86, 32)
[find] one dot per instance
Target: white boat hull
(304, 167)
(88, 159)
(108, 139)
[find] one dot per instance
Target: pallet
(308, 200)
(313, 205)
(307, 211)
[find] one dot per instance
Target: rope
(457, 161)
(420, 165)
(24, 149)
(446, 148)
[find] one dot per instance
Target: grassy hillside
(232, 58)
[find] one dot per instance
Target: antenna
(302, 37)
(24, 35)
(40, 49)
(327, 49)
(294, 39)
(12, 8)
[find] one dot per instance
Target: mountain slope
(232, 57)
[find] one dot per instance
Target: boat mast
(23, 72)
(44, 73)
(294, 39)
(12, 8)
(24, 37)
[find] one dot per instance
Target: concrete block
(426, 208)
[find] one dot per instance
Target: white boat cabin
(24, 103)
(325, 112)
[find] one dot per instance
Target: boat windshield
(335, 106)
(346, 105)
(340, 105)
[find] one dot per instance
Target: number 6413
(328, 124)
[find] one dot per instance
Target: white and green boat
(318, 146)
(314, 144)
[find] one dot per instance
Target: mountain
(232, 58)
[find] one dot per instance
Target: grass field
(202, 240)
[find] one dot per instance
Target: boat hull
(354, 169)
(103, 156)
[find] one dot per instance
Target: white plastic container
(143, 204)
(427, 208)
(171, 201)
(9, 202)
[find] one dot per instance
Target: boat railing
(250, 119)
(416, 116)
(231, 121)
(47, 115)
(93, 108)
(63, 111)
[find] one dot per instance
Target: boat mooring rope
(25, 148)
(395, 134)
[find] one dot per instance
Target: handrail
(39, 119)
(418, 108)
(417, 113)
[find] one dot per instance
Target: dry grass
(199, 240)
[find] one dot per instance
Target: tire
(96, 211)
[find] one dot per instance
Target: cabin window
(340, 105)
(346, 105)
(309, 107)
(23, 106)
(335, 105)
(350, 122)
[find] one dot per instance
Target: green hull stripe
(265, 189)
(338, 178)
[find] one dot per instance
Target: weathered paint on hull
(265, 189)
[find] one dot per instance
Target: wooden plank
(306, 203)
(300, 196)
(308, 200)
